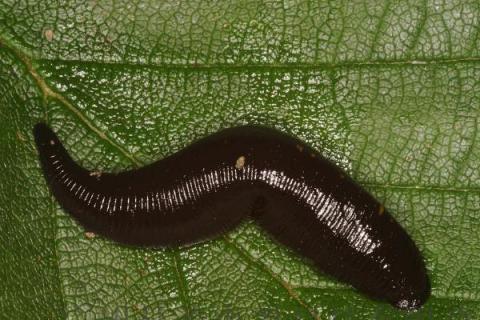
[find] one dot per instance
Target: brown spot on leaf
(21, 137)
(48, 34)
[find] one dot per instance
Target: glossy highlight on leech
(298, 197)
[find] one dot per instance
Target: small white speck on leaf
(52, 142)
(89, 235)
(240, 163)
(418, 62)
(48, 34)
(96, 174)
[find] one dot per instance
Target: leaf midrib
(270, 66)
(10, 43)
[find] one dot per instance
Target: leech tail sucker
(300, 198)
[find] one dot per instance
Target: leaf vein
(48, 92)
(259, 67)
(183, 288)
(433, 188)
(290, 290)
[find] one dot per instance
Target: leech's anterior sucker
(300, 198)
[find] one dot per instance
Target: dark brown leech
(303, 200)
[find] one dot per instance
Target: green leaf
(390, 92)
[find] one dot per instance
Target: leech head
(44, 136)
(53, 156)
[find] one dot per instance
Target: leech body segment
(300, 198)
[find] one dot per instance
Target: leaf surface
(389, 92)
